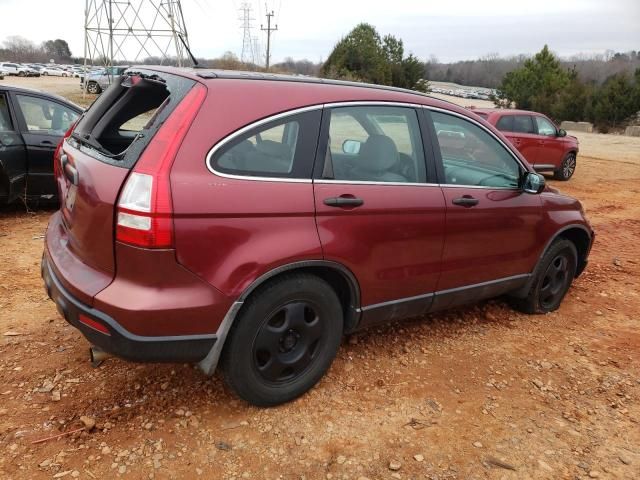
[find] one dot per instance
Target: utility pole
(269, 29)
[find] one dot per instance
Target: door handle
(46, 143)
(343, 201)
(70, 172)
(465, 201)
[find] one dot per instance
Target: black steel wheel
(288, 341)
(284, 339)
(551, 279)
(567, 168)
(554, 280)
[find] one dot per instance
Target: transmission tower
(248, 54)
(133, 30)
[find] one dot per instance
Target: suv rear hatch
(92, 165)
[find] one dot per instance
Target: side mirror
(562, 133)
(351, 147)
(533, 183)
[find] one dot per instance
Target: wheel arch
(572, 150)
(576, 233)
(339, 277)
(581, 238)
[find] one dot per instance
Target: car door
(550, 147)
(376, 211)
(43, 122)
(492, 227)
(13, 159)
(520, 131)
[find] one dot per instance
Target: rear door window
(523, 124)
(45, 116)
(505, 123)
(282, 148)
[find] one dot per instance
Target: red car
(543, 144)
(250, 220)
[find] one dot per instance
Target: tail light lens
(145, 210)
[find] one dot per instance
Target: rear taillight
(145, 210)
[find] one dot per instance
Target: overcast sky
(450, 30)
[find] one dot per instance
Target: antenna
(134, 30)
(269, 29)
(248, 54)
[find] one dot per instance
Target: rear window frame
(137, 147)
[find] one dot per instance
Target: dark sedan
(32, 124)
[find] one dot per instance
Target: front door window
(471, 156)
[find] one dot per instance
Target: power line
(269, 29)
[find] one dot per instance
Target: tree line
(544, 84)
(20, 49)
(603, 89)
(489, 70)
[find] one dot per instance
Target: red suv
(543, 144)
(250, 220)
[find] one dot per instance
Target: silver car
(96, 82)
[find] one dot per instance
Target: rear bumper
(119, 341)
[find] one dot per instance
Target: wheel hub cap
(287, 342)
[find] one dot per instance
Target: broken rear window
(120, 123)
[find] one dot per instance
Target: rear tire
(93, 88)
(567, 168)
(284, 340)
(551, 279)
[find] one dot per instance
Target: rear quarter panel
(230, 231)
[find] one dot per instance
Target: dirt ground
(476, 393)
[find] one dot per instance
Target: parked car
(54, 71)
(308, 209)
(546, 146)
(15, 69)
(77, 72)
(32, 124)
(3, 72)
(99, 80)
(32, 71)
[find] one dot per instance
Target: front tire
(284, 340)
(551, 279)
(567, 168)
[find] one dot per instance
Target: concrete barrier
(632, 131)
(577, 126)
